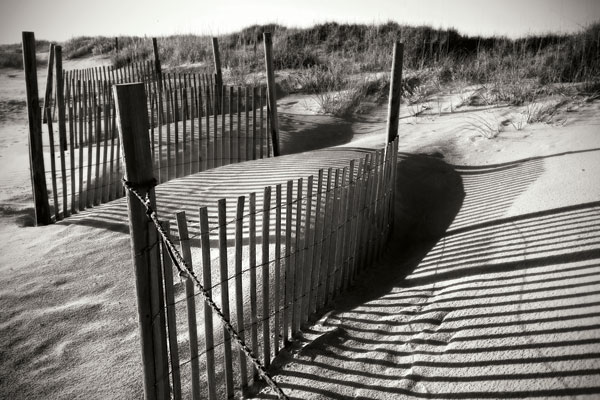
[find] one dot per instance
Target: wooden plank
(57, 216)
(247, 138)
(82, 193)
(224, 146)
(341, 247)
(184, 138)
(288, 275)
(48, 91)
(89, 195)
(172, 319)
(309, 238)
(215, 149)
(339, 204)
(176, 118)
(208, 153)
(325, 264)
(331, 266)
(160, 118)
(208, 317)
(356, 219)
(277, 283)
(201, 156)
(192, 116)
(105, 179)
(184, 240)
(239, 291)
(113, 181)
(268, 43)
(297, 257)
(97, 181)
(254, 122)
(266, 232)
(36, 152)
(253, 289)
(231, 139)
(317, 244)
(238, 143)
(224, 270)
(169, 167)
(72, 158)
(262, 124)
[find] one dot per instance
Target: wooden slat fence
(186, 134)
(271, 261)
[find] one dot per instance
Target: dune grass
(327, 57)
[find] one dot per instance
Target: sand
(489, 287)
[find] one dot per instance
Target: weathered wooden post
(157, 62)
(116, 45)
(218, 73)
(132, 122)
(36, 153)
(271, 99)
(48, 93)
(395, 91)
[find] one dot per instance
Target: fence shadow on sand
(490, 306)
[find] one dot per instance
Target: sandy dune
(489, 288)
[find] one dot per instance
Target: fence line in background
(187, 135)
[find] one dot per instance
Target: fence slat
(105, 179)
(223, 266)
(331, 251)
(297, 274)
(307, 251)
(324, 271)
(231, 140)
(254, 121)
(97, 182)
(317, 243)
(52, 163)
(239, 292)
(216, 105)
(253, 295)
(176, 119)
(72, 158)
(265, 276)
(82, 192)
(208, 317)
(277, 285)
(288, 275)
(171, 317)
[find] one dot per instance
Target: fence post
(48, 93)
(218, 73)
(157, 62)
(271, 99)
(132, 121)
(395, 91)
(36, 154)
(116, 45)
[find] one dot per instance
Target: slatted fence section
(272, 261)
(187, 134)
